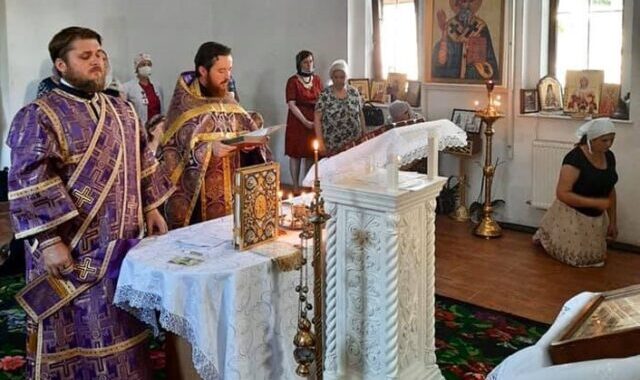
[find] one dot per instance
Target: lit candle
(316, 145)
(476, 104)
(432, 146)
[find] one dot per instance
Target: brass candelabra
(488, 227)
(309, 346)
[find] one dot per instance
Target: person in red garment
(303, 89)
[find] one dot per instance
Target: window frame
(553, 40)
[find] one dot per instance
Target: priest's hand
(57, 260)
(222, 150)
(156, 225)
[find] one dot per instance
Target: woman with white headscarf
(338, 120)
(578, 224)
(145, 96)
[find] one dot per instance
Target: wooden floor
(513, 275)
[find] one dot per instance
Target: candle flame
(316, 145)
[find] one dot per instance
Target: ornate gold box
(255, 209)
(607, 327)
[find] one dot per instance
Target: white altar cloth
(534, 362)
(410, 143)
(236, 309)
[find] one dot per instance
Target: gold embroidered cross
(83, 196)
(85, 268)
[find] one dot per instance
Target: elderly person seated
(400, 111)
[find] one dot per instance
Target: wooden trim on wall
(376, 8)
(553, 38)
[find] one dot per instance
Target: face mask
(305, 73)
(144, 71)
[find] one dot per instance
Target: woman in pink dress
(302, 92)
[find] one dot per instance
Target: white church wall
(264, 36)
(515, 133)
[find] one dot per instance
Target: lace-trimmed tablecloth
(235, 308)
(409, 142)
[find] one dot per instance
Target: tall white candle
(433, 141)
(392, 171)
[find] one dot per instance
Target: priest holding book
(201, 115)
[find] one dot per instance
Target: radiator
(547, 160)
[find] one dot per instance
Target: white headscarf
(339, 64)
(595, 128)
(141, 57)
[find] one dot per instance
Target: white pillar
(379, 312)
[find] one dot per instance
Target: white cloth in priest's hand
(409, 143)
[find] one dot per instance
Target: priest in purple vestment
(202, 114)
(84, 187)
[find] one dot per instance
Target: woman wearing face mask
(578, 224)
(338, 121)
(145, 95)
(302, 93)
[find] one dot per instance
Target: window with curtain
(586, 34)
(399, 38)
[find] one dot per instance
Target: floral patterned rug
(470, 340)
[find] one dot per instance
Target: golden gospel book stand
(256, 205)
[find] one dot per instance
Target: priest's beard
(84, 84)
(216, 90)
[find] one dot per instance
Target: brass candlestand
(488, 227)
(318, 218)
(305, 339)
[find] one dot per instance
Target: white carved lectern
(379, 289)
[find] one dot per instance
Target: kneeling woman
(577, 226)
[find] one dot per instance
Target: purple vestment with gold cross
(81, 173)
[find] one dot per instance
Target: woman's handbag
(372, 115)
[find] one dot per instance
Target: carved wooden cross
(85, 268)
(83, 196)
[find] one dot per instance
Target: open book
(257, 137)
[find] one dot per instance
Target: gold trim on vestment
(95, 352)
(98, 204)
(125, 194)
(38, 366)
(90, 148)
(34, 189)
(194, 91)
(139, 176)
(226, 174)
(150, 170)
(74, 159)
(57, 128)
(73, 97)
(82, 288)
(199, 187)
(160, 200)
(193, 112)
(43, 227)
